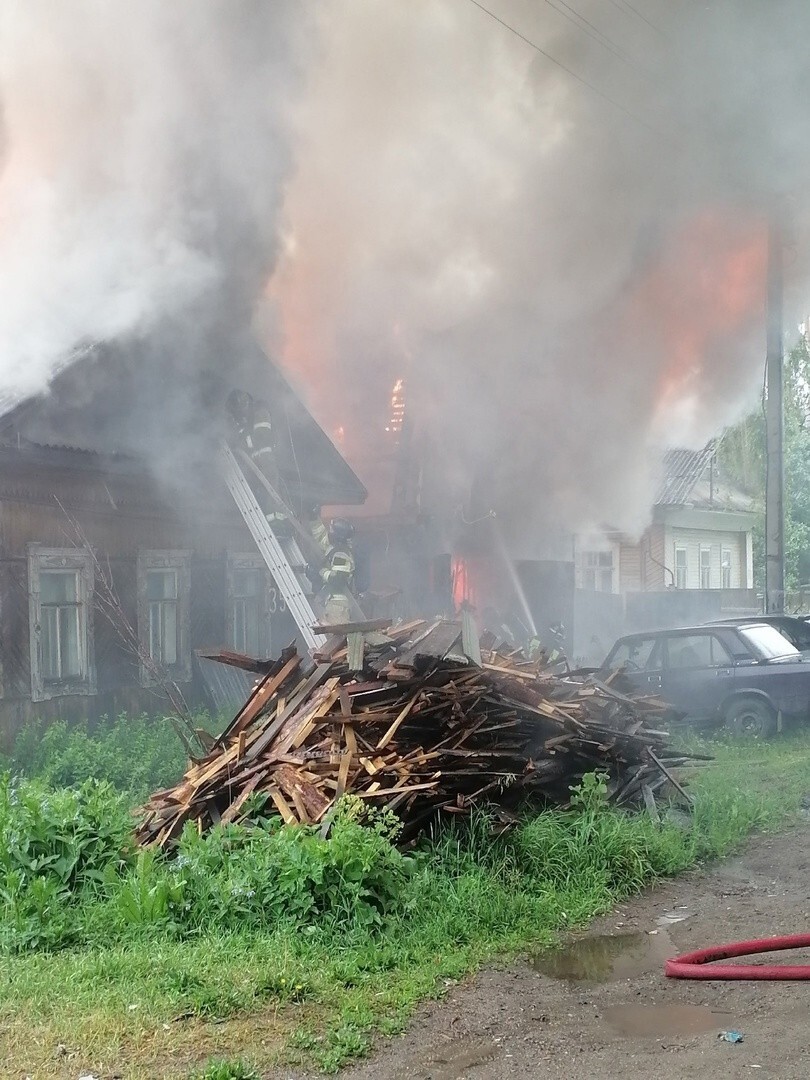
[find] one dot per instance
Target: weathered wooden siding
(655, 575)
(14, 628)
(120, 516)
(629, 567)
(208, 602)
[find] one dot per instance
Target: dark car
(744, 675)
(795, 628)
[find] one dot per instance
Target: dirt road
(603, 1008)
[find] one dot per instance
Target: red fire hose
(693, 965)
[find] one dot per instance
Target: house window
(60, 614)
(247, 598)
(725, 568)
(681, 568)
(597, 571)
(705, 568)
(162, 597)
(163, 615)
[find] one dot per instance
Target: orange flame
(699, 300)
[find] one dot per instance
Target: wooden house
(114, 521)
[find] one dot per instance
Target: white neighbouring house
(700, 537)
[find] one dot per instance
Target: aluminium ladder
(281, 554)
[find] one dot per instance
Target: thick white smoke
(564, 281)
(142, 152)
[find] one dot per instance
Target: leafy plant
(220, 1069)
(590, 794)
(136, 754)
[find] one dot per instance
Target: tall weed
(56, 846)
(136, 754)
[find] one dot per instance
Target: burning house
(121, 551)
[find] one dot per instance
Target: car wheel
(752, 717)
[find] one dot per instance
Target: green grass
(365, 935)
(136, 754)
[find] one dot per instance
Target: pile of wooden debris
(418, 718)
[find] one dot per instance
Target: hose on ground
(701, 964)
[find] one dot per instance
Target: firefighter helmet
(340, 531)
(239, 405)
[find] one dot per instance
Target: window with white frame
(597, 570)
(163, 615)
(681, 568)
(60, 585)
(705, 568)
(163, 597)
(725, 568)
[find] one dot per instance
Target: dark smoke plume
(566, 282)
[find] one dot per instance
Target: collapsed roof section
(692, 478)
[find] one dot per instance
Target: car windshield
(767, 642)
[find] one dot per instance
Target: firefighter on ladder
(253, 421)
(337, 570)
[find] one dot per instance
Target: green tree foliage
(741, 457)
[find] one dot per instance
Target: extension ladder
(282, 555)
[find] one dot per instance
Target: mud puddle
(456, 1058)
(606, 957)
(663, 1020)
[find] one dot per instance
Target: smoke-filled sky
(143, 149)
(564, 281)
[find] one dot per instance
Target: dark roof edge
(70, 457)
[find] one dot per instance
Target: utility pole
(774, 424)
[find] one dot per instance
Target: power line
(569, 71)
(626, 8)
(587, 27)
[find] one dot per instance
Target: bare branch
(109, 605)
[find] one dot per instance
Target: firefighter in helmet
(338, 568)
(253, 421)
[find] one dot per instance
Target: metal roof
(681, 470)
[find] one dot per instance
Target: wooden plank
(344, 629)
(221, 763)
(439, 641)
(375, 791)
(470, 641)
(232, 811)
(300, 807)
(308, 800)
(670, 777)
(281, 805)
(350, 737)
(510, 672)
(394, 728)
(343, 774)
(649, 803)
(330, 649)
(300, 694)
(259, 699)
(235, 659)
(355, 650)
(325, 698)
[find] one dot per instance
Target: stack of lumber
(419, 718)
